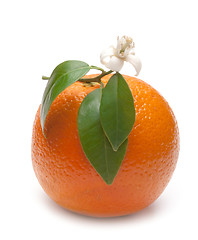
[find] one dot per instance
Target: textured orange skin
(69, 179)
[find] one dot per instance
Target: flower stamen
(124, 46)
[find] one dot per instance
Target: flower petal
(114, 63)
(135, 61)
(106, 54)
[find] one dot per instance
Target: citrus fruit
(67, 176)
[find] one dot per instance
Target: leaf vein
(116, 111)
(105, 153)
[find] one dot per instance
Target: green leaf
(117, 111)
(62, 77)
(95, 144)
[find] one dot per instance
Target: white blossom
(113, 58)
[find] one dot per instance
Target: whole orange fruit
(69, 179)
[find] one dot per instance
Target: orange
(69, 179)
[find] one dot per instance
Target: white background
(35, 37)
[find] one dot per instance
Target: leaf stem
(95, 79)
(97, 68)
(89, 80)
(45, 78)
